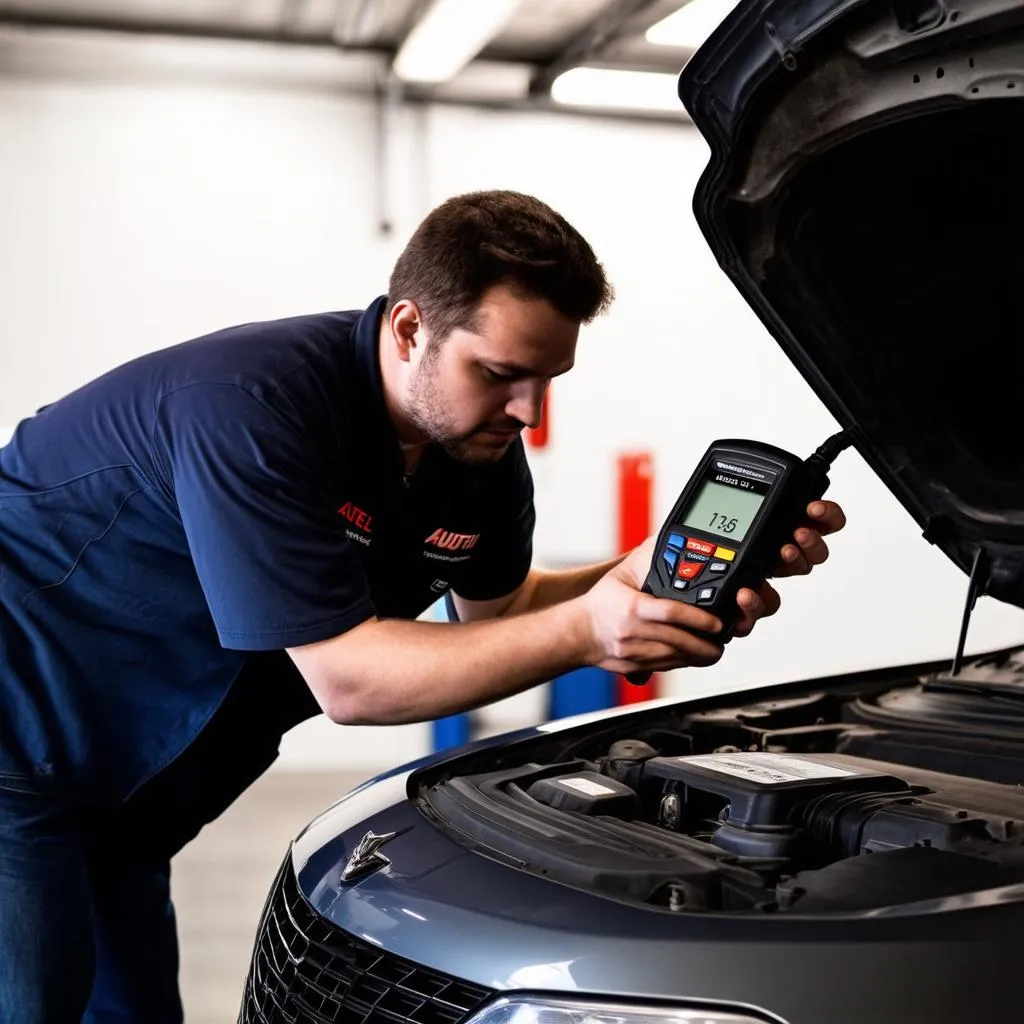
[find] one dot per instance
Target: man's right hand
(626, 630)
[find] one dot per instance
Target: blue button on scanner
(676, 541)
(670, 557)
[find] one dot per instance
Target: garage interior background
(170, 167)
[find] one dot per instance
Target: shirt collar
(378, 430)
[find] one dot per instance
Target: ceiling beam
(177, 29)
(604, 30)
(291, 13)
(542, 104)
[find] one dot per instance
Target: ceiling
(543, 37)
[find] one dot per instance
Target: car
(837, 850)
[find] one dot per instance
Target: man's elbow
(343, 714)
(340, 698)
(345, 707)
(349, 703)
(343, 702)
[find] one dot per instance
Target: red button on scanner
(702, 546)
(690, 570)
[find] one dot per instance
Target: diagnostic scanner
(729, 524)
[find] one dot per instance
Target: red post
(635, 487)
(540, 435)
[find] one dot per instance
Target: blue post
(451, 732)
(455, 730)
(585, 689)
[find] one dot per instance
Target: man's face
(474, 391)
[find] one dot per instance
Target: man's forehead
(547, 354)
(528, 335)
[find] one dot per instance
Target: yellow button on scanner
(726, 554)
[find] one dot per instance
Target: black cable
(826, 454)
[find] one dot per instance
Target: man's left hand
(797, 559)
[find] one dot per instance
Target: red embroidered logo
(448, 541)
(356, 516)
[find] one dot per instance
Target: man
(209, 544)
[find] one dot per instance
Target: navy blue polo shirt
(240, 493)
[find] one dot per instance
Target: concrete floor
(219, 883)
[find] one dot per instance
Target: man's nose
(526, 402)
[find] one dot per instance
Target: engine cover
(760, 801)
(744, 831)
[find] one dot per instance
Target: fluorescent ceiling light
(690, 25)
(448, 36)
(611, 88)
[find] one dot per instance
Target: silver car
(846, 850)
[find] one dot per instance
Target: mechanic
(210, 543)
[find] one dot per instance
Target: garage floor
(221, 879)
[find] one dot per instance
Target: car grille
(306, 970)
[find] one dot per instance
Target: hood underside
(864, 196)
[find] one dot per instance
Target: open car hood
(865, 196)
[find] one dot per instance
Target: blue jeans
(87, 930)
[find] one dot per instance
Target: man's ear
(406, 328)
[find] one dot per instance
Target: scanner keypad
(688, 558)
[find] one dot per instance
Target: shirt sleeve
(258, 507)
(505, 550)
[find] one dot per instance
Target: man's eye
(496, 375)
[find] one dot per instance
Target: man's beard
(428, 415)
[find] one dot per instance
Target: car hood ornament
(366, 857)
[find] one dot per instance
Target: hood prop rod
(975, 588)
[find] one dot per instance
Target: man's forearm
(546, 587)
(394, 671)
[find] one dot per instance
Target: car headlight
(540, 1010)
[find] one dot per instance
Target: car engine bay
(843, 799)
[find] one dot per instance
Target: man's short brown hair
(472, 242)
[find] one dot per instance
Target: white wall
(140, 206)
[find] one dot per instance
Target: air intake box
(753, 803)
(586, 793)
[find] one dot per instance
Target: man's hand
(823, 518)
(796, 559)
(629, 631)
(638, 632)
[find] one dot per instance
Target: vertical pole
(388, 96)
(540, 435)
(635, 487)
(453, 730)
